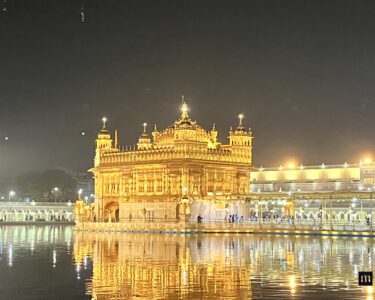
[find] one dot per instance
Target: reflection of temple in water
(159, 266)
(213, 266)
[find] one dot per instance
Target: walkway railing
(20, 204)
(287, 225)
(162, 225)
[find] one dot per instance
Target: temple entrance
(111, 211)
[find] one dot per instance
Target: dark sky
(302, 72)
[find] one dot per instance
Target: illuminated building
(323, 178)
(338, 191)
(180, 172)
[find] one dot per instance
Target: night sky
(302, 72)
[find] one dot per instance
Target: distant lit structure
(331, 192)
(327, 178)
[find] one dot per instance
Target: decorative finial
(144, 127)
(184, 109)
(183, 99)
(240, 116)
(155, 128)
(104, 120)
(214, 127)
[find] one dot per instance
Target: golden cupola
(103, 142)
(144, 141)
(240, 137)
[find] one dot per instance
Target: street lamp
(11, 194)
(368, 160)
(55, 189)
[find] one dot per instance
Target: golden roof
(183, 129)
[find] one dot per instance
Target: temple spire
(184, 109)
(240, 116)
(104, 120)
(144, 127)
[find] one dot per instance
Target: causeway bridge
(36, 211)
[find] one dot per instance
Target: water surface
(52, 262)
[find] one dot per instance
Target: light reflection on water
(39, 261)
(231, 266)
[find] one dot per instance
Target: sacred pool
(55, 262)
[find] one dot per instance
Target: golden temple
(179, 173)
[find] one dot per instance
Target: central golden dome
(184, 129)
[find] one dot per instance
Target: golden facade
(177, 173)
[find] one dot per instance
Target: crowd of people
(234, 218)
(254, 218)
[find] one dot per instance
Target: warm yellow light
(291, 165)
(240, 116)
(104, 120)
(370, 290)
(368, 160)
(184, 108)
(292, 282)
